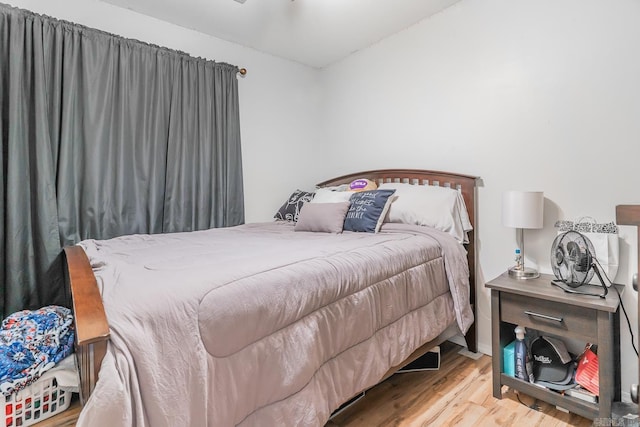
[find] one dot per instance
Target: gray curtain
(102, 136)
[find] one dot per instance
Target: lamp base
(523, 273)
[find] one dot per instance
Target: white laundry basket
(36, 402)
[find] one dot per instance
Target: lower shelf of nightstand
(577, 406)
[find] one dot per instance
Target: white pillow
(438, 207)
(327, 195)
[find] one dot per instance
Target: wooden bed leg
(471, 338)
(90, 320)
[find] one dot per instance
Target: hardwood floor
(458, 394)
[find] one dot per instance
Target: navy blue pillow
(367, 210)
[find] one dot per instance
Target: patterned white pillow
(327, 195)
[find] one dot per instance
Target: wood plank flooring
(458, 394)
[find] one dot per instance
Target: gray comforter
(261, 325)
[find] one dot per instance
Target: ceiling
(312, 32)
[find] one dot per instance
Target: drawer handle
(544, 316)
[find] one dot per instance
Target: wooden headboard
(466, 184)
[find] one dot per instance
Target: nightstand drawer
(548, 316)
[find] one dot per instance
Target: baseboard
(482, 348)
(458, 339)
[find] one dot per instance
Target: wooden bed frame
(92, 329)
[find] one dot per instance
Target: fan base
(526, 273)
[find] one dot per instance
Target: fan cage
(572, 255)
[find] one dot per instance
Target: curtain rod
(6, 7)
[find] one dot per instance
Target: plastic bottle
(518, 259)
(521, 355)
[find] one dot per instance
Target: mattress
(260, 325)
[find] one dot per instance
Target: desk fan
(573, 263)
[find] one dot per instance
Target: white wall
(540, 95)
(279, 100)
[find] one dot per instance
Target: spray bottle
(521, 355)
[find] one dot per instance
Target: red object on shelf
(587, 374)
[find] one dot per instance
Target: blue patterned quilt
(32, 342)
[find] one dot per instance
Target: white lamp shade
(522, 209)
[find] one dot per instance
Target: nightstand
(538, 305)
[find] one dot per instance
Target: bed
(262, 325)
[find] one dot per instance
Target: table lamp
(520, 210)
